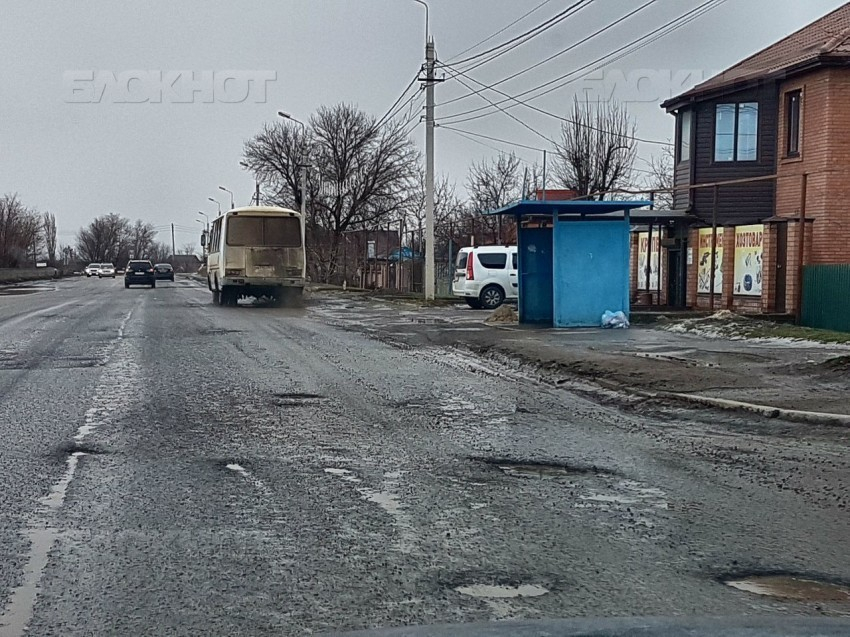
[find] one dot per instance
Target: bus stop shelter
(573, 259)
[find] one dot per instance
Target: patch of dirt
(504, 314)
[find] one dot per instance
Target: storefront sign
(748, 260)
(704, 265)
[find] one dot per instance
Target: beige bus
(256, 251)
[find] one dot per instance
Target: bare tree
(187, 248)
(104, 239)
(449, 211)
(20, 232)
(597, 149)
(140, 238)
(363, 175)
(492, 184)
(660, 180)
(49, 235)
(159, 251)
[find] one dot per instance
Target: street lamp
(427, 31)
(303, 165)
(256, 183)
(216, 203)
(230, 192)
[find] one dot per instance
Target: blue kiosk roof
(572, 208)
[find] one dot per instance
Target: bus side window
(215, 235)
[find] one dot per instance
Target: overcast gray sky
(159, 161)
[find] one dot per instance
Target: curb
(794, 415)
(766, 411)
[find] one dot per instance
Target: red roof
(823, 41)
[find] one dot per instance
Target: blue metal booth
(573, 259)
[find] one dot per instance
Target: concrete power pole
(173, 244)
(430, 60)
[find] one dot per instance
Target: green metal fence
(826, 297)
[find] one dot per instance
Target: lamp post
(230, 192)
(216, 203)
(302, 165)
(256, 183)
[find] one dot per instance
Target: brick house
(762, 160)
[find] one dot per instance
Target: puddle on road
(537, 470)
(501, 592)
(790, 587)
(22, 291)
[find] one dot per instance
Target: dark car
(164, 271)
(139, 273)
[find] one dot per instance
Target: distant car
(164, 271)
(106, 269)
(139, 273)
(486, 276)
(92, 269)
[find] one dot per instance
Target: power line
(494, 139)
(386, 116)
(465, 133)
(626, 50)
(567, 120)
(558, 54)
(502, 30)
(531, 33)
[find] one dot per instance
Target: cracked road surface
(171, 467)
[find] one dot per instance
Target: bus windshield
(277, 232)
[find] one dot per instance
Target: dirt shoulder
(706, 357)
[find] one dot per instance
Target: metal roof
(572, 208)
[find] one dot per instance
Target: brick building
(762, 168)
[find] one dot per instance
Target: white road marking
(258, 484)
(109, 398)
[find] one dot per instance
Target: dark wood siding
(743, 203)
(681, 181)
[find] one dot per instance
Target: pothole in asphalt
(70, 448)
(539, 470)
(798, 588)
(21, 291)
(428, 321)
(494, 591)
(298, 396)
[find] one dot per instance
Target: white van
(486, 276)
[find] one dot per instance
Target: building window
(792, 122)
(685, 135)
(736, 132)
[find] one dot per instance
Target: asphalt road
(173, 468)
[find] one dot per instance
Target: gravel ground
(171, 467)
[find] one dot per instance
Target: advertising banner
(648, 258)
(704, 264)
(748, 259)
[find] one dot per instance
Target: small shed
(573, 259)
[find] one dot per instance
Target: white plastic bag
(615, 320)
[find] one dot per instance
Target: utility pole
(173, 244)
(430, 60)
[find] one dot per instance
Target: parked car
(139, 272)
(106, 269)
(486, 276)
(92, 269)
(164, 271)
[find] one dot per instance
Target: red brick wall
(825, 156)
